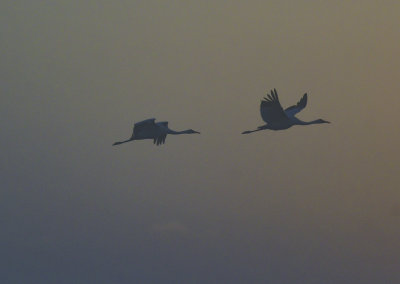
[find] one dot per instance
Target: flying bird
(148, 129)
(277, 118)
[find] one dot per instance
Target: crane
(149, 129)
(277, 118)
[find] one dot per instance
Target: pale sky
(311, 204)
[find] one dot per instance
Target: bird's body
(149, 129)
(277, 118)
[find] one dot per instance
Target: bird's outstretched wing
(143, 125)
(160, 139)
(163, 123)
(293, 110)
(271, 109)
(163, 127)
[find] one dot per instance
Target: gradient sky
(314, 204)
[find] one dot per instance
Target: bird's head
(191, 131)
(322, 121)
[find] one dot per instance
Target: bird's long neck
(121, 142)
(170, 131)
(300, 122)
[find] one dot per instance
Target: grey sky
(313, 204)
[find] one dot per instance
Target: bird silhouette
(277, 118)
(148, 129)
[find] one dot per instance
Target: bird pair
(271, 112)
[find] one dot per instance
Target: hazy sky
(314, 204)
